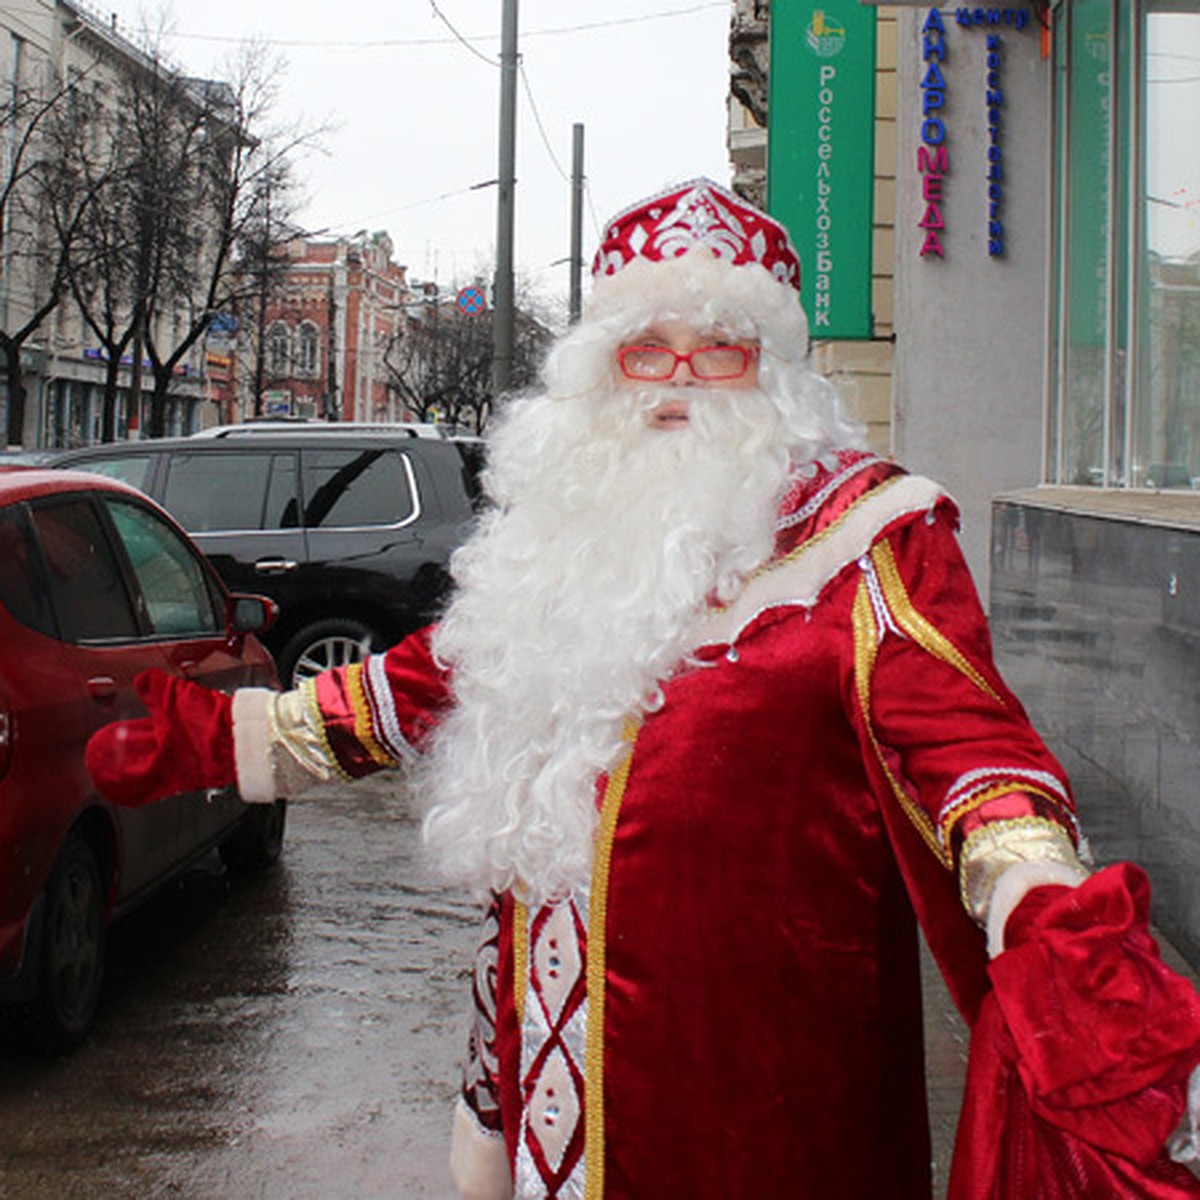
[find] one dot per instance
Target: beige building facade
(47, 47)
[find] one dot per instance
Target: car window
(86, 588)
(346, 488)
(133, 469)
(172, 581)
(232, 491)
(22, 591)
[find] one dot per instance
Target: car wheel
(258, 841)
(72, 965)
(323, 644)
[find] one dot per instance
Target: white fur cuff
(252, 739)
(1184, 1146)
(478, 1159)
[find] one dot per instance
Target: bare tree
(244, 202)
(42, 207)
(262, 260)
(440, 364)
(185, 165)
(137, 238)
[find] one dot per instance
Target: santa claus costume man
(711, 722)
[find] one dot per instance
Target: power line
(464, 39)
(399, 208)
(641, 20)
(537, 120)
(441, 16)
(587, 195)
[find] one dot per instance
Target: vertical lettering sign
(821, 155)
(933, 155)
(933, 150)
(994, 22)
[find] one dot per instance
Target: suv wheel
(72, 949)
(323, 644)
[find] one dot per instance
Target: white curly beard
(577, 598)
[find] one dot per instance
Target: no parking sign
(471, 301)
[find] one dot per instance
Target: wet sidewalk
(946, 1042)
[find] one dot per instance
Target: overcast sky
(414, 111)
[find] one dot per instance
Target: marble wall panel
(1096, 624)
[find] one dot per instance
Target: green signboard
(1091, 105)
(821, 155)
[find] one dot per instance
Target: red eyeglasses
(705, 362)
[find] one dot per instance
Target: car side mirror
(250, 614)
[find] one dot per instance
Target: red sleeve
(954, 742)
(378, 713)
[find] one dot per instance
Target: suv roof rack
(288, 426)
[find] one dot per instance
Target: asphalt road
(296, 1034)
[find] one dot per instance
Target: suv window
(133, 469)
(234, 491)
(173, 584)
(348, 488)
(21, 590)
(86, 587)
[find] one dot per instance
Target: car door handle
(102, 688)
(275, 566)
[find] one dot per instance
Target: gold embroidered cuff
(300, 750)
(992, 849)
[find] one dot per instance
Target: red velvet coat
(751, 967)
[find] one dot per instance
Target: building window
(279, 349)
(1125, 384)
(308, 353)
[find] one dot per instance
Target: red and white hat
(697, 213)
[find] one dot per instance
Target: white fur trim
(801, 579)
(1184, 1145)
(744, 299)
(478, 1159)
(252, 741)
(1013, 886)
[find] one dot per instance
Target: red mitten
(184, 745)
(1101, 1026)
(1080, 1054)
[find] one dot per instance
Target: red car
(97, 583)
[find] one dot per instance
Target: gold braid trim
(991, 849)
(927, 636)
(520, 919)
(316, 727)
(833, 526)
(809, 544)
(593, 1103)
(364, 725)
(865, 643)
(1005, 787)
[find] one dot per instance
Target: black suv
(348, 532)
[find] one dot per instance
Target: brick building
(325, 335)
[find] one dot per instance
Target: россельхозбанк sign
(821, 155)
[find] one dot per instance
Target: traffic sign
(471, 301)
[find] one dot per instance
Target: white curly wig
(578, 595)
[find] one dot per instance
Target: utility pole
(264, 291)
(133, 421)
(502, 293)
(576, 301)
